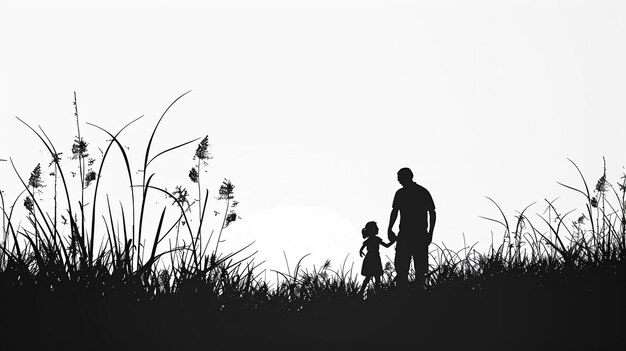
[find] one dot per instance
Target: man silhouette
(417, 222)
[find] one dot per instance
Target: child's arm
(386, 244)
(361, 250)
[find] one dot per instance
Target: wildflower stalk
(219, 236)
(202, 154)
(54, 238)
(226, 193)
(56, 159)
(76, 241)
(199, 235)
(34, 181)
(31, 212)
(622, 204)
(81, 167)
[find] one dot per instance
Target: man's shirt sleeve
(430, 204)
(396, 201)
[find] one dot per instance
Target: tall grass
(179, 289)
(43, 255)
(569, 247)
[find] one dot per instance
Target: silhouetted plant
(121, 254)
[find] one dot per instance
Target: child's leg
(364, 286)
(377, 282)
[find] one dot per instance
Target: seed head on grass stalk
(29, 205)
(193, 175)
(35, 182)
(180, 196)
(226, 192)
(79, 148)
(202, 154)
(601, 185)
(232, 216)
(35, 177)
(202, 151)
(80, 153)
(90, 177)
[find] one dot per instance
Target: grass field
(552, 285)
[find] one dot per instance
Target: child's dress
(371, 263)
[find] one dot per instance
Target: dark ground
(505, 315)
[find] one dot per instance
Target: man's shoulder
(411, 190)
(399, 192)
(425, 197)
(419, 188)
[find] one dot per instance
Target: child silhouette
(372, 267)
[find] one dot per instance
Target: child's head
(370, 229)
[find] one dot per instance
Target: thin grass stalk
(126, 256)
(114, 248)
(55, 161)
(81, 167)
(109, 242)
(55, 223)
(623, 207)
(31, 194)
(114, 139)
(200, 214)
(219, 236)
(586, 194)
(182, 210)
(144, 196)
(5, 233)
(40, 236)
(145, 166)
(156, 237)
(52, 151)
(59, 248)
(129, 175)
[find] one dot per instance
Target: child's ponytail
(369, 227)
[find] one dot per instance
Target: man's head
(405, 176)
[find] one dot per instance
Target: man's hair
(405, 173)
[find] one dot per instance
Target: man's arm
(392, 220)
(432, 215)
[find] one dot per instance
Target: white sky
(312, 107)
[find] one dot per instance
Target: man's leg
(420, 260)
(402, 262)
